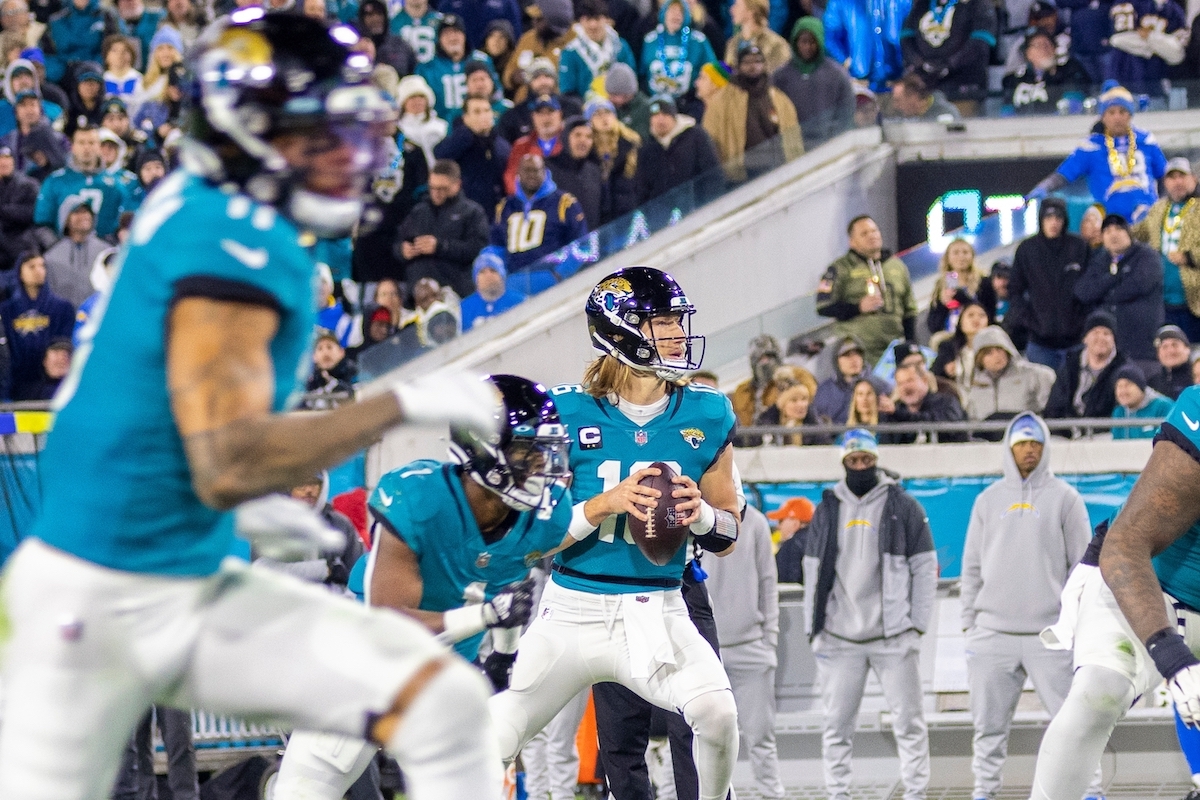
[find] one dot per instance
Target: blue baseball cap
(859, 440)
(1026, 428)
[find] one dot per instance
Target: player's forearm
(251, 457)
(1127, 569)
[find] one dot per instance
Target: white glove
(284, 529)
(453, 397)
(1184, 687)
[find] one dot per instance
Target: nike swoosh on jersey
(252, 257)
(1195, 426)
(385, 498)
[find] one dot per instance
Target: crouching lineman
(453, 548)
(608, 613)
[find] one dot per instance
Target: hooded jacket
(907, 563)
(390, 48)
(851, 39)
(528, 242)
(1041, 287)
(581, 178)
(832, 402)
(482, 158)
(1023, 538)
(30, 325)
(671, 61)
(820, 90)
(1134, 295)
(685, 153)
(424, 130)
(8, 120)
(1021, 386)
(42, 139)
(69, 267)
(77, 36)
(1098, 401)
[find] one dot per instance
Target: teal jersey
(606, 448)
(419, 32)
(423, 503)
(66, 188)
(1178, 567)
(448, 80)
(117, 489)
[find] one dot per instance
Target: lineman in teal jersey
(608, 613)
(446, 71)
(169, 437)
(417, 24)
(454, 545)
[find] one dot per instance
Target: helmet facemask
(530, 472)
(640, 348)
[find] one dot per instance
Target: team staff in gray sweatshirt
(870, 576)
(1026, 532)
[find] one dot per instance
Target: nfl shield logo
(641, 438)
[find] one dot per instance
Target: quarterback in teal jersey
(608, 613)
(169, 438)
(454, 544)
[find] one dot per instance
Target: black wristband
(1170, 652)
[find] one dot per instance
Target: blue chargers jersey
(117, 486)
(424, 504)
(1178, 567)
(1130, 196)
(607, 447)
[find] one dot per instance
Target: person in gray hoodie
(743, 590)
(1026, 532)
(870, 577)
(1004, 383)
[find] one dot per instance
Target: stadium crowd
(521, 131)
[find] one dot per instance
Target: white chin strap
(327, 217)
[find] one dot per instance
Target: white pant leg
(551, 758)
(995, 675)
(896, 663)
(751, 672)
(321, 766)
(841, 678)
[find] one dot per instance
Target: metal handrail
(1085, 426)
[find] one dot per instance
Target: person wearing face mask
(870, 571)
(1037, 86)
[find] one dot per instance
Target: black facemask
(861, 481)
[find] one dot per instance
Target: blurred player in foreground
(168, 429)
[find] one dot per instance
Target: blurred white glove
(449, 396)
(284, 529)
(1184, 687)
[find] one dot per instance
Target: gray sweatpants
(751, 671)
(842, 675)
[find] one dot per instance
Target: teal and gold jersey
(420, 33)
(606, 448)
(1178, 567)
(424, 504)
(117, 486)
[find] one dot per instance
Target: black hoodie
(581, 177)
(1041, 288)
(389, 49)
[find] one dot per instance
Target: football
(659, 537)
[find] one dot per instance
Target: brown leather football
(660, 537)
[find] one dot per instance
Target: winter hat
(558, 14)
(663, 104)
(597, 104)
(90, 71)
(798, 508)
(813, 25)
(762, 345)
(1114, 221)
(620, 80)
(410, 86)
(451, 22)
(905, 349)
(34, 55)
(1053, 205)
(859, 440)
(748, 49)
(1041, 10)
(717, 72)
(25, 94)
(474, 65)
(114, 105)
(150, 155)
(490, 257)
(1026, 428)
(1171, 332)
(547, 101)
(167, 35)
(542, 66)
(1132, 373)
(1114, 94)
(1099, 319)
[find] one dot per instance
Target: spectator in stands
(752, 28)
(121, 78)
(43, 153)
(1084, 384)
(677, 151)
(77, 32)
(480, 83)
(332, 373)
(1026, 532)
(535, 221)
(616, 146)
(1089, 226)
(1117, 177)
(818, 86)
(960, 281)
(140, 24)
(435, 318)
(16, 18)
(834, 395)
(949, 44)
(51, 92)
(499, 42)
(745, 602)
(419, 122)
(395, 189)
(551, 32)
(166, 50)
(479, 150)
(1003, 383)
(1136, 400)
(479, 16)
(443, 233)
(591, 54)
(916, 399)
(116, 119)
(159, 117)
(956, 353)
(186, 18)
(913, 99)
(756, 394)
(1040, 83)
(33, 317)
(20, 80)
(998, 280)
(546, 138)
(69, 262)
(390, 48)
(1042, 16)
(747, 114)
(794, 516)
(1090, 31)
(417, 24)
(672, 54)
(56, 362)
(1041, 288)
(1125, 278)
(84, 172)
(870, 578)
(631, 106)
(576, 170)
(18, 194)
(87, 97)
(492, 295)
(446, 71)
(1147, 38)
(1174, 352)
(1172, 227)
(868, 291)
(795, 389)
(27, 113)
(865, 37)
(1196, 372)
(543, 82)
